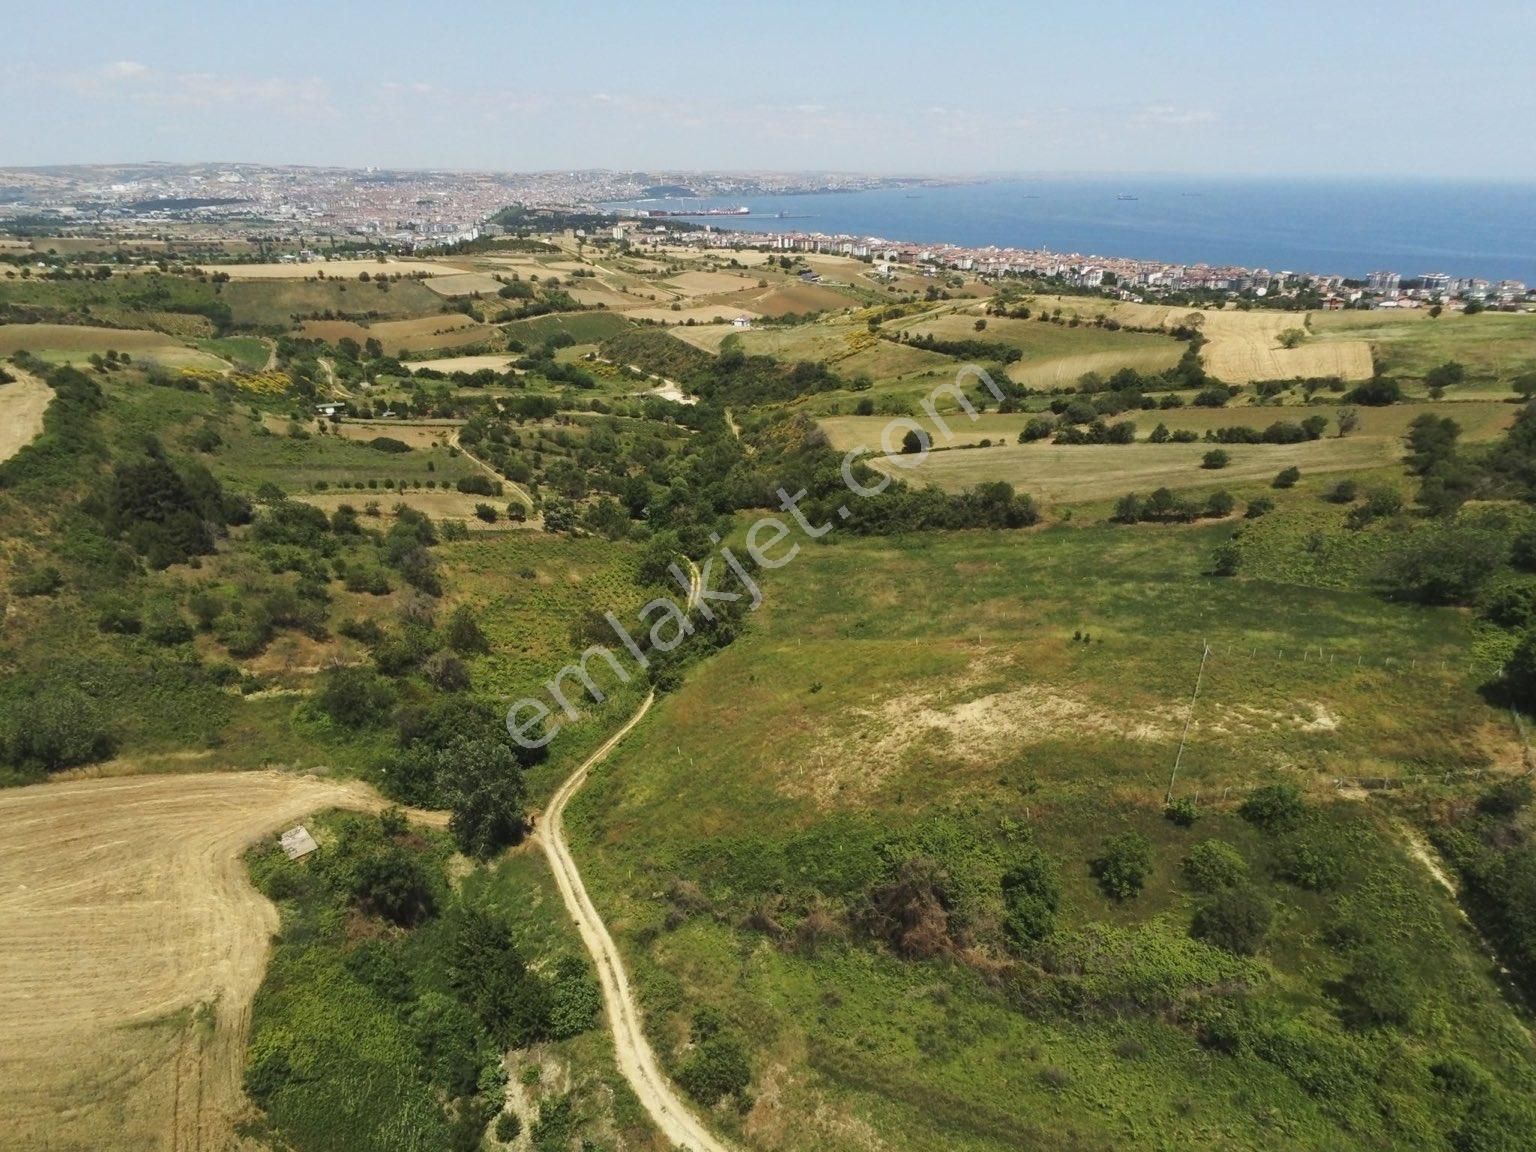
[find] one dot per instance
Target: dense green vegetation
(391, 998)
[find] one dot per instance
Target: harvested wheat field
(1245, 346)
(22, 404)
(131, 944)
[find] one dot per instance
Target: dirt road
(512, 487)
(131, 945)
(636, 1060)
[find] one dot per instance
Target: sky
(1307, 88)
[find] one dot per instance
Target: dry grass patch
(438, 504)
(131, 944)
(417, 435)
(463, 363)
(464, 284)
(420, 334)
(708, 283)
(1064, 475)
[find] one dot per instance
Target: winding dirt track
(636, 1060)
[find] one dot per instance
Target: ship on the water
(742, 211)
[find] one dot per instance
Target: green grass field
(274, 303)
(1494, 347)
(927, 696)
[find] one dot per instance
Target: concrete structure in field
(297, 842)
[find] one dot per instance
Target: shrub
(1258, 506)
(58, 728)
(716, 1068)
(508, 1127)
(1031, 897)
(1220, 504)
(1375, 992)
(1213, 865)
(388, 444)
(1216, 458)
(1286, 477)
(1344, 492)
(1182, 811)
(1272, 807)
(1234, 920)
(1312, 859)
(120, 615)
(1123, 866)
(394, 884)
(1036, 428)
(43, 581)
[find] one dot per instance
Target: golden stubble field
(1242, 346)
(131, 945)
(22, 404)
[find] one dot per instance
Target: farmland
(1088, 473)
(1243, 346)
(22, 404)
(131, 944)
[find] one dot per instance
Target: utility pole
(1205, 651)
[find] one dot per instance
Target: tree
(1431, 441)
(1525, 385)
(355, 696)
(1349, 420)
(1448, 565)
(394, 884)
(482, 782)
(1292, 338)
(1123, 866)
(914, 442)
(1445, 375)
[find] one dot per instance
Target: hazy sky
(1343, 87)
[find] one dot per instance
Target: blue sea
(1325, 227)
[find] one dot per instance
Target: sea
(1347, 228)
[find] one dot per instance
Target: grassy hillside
(1031, 698)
